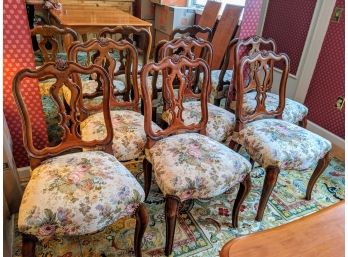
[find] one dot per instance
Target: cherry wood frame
(63, 71)
(127, 33)
(103, 46)
(179, 68)
(185, 46)
(193, 31)
(49, 34)
(263, 62)
(249, 46)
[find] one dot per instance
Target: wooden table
(318, 235)
(90, 19)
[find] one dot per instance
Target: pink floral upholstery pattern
(129, 135)
(194, 166)
(77, 194)
(220, 121)
(273, 142)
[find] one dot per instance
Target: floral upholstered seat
(273, 142)
(220, 121)
(122, 78)
(82, 193)
(90, 87)
(194, 166)
(129, 135)
(294, 112)
(215, 82)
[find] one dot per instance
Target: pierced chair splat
(220, 121)
(187, 164)
(294, 112)
(73, 192)
(128, 124)
(274, 143)
(48, 41)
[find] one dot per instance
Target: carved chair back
(49, 36)
(128, 33)
(185, 46)
(250, 46)
(263, 64)
(62, 72)
(193, 31)
(175, 68)
(105, 47)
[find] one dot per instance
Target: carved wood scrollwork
(175, 68)
(253, 45)
(62, 72)
(104, 47)
(261, 62)
(127, 33)
(193, 31)
(48, 36)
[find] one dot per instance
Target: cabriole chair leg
(244, 189)
(321, 166)
(268, 185)
(142, 219)
(147, 168)
(171, 212)
(28, 245)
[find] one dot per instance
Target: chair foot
(321, 166)
(171, 213)
(268, 185)
(28, 245)
(303, 122)
(142, 219)
(244, 189)
(147, 167)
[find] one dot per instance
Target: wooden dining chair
(73, 192)
(220, 121)
(129, 135)
(275, 144)
(49, 37)
(187, 164)
(294, 112)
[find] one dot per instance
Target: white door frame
(298, 84)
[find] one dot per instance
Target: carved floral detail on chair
(194, 166)
(83, 192)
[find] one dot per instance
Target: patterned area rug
(203, 231)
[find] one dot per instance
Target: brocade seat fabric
(83, 192)
(122, 78)
(89, 87)
(220, 121)
(129, 135)
(273, 142)
(215, 82)
(293, 111)
(191, 165)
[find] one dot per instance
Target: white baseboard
(335, 140)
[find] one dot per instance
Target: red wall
(328, 80)
(287, 22)
(18, 54)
